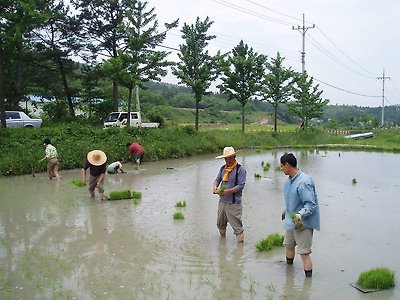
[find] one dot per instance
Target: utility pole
(303, 31)
(383, 78)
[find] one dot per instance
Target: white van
(120, 119)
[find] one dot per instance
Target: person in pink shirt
(136, 152)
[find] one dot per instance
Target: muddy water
(57, 243)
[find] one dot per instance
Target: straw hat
(228, 151)
(96, 157)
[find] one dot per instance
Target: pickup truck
(15, 119)
(120, 119)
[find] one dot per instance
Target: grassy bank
(21, 149)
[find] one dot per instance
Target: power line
(344, 53)
(251, 12)
(347, 91)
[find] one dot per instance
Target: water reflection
(230, 272)
(292, 290)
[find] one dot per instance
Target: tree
(242, 75)
(103, 26)
(197, 69)
(55, 41)
(141, 62)
(277, 85)
(18, 19)
(307, 104)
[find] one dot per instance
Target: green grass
(272, 240)
(23, 148)
(378, 278)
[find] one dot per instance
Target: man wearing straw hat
(229, 184)
(96, 162)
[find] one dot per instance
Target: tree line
(79, 52)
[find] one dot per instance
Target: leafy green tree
(277, 84)
(197, 69)
(308, 103)
(243, 71)
(55, 42)
(18, 19)
(103, 26)
(141, 62)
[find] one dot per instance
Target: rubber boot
(222, 232)
(240, 237)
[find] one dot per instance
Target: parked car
(120, 119)
(15, 119)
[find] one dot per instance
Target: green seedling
(222, 188)
(136, 195)
(378, 278)
(118, 195)
(256, 175)
(272, 240)
(262, 163)
(78, 182)
(136, 167)
(354, 181)
(180, 204)
(293, 216)
(179, 215)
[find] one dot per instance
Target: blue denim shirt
(241, 180)
(301, 197)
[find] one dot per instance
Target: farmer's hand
(297, 221)
(298, 217)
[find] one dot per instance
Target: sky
(350, 46)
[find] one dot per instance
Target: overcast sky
(347, 50)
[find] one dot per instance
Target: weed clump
(272, 240)
(378, 278)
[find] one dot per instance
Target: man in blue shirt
(301, 215)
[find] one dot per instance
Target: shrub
(273, 240)
(378, 278)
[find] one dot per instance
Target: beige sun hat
(96, 157)
(228, 151)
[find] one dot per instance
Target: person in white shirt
(115, 167)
